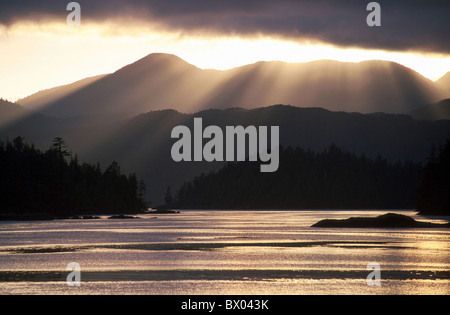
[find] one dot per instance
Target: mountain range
(365, 108)
(142, 144)
(162, 81)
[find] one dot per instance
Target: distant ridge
(162, 81)
(438, 111)
(9, 112)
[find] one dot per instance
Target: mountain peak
(159, 60)
(162, 57)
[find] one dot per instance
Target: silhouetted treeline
(434, 191)
(57, 184)
(333, 179)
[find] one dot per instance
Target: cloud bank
(407, 25)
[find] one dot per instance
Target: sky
(39, 50)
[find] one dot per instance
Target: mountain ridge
(161, 81)
(43, 97)
(11, 112)
(444, 84)
(437, 111)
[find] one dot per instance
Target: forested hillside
(55, 184)
(333, 179)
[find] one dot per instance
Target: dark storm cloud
(422, 25)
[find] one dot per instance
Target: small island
(164, 211)
(122, 217)
(390, 220)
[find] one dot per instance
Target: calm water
(222, 252)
